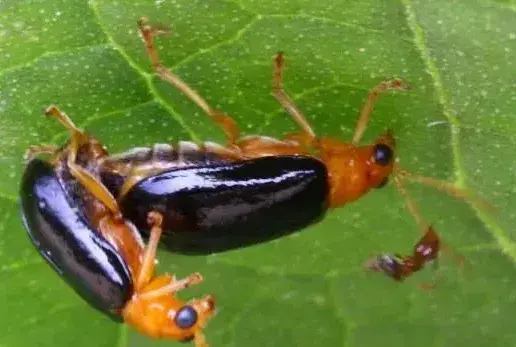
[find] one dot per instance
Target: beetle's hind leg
(226, 122)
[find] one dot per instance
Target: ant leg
(428, 249)
(308, 135)
(226, 122)
(36, 150)
(367, 109)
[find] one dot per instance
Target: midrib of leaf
(505, 243)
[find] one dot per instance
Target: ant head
(165, 316)
(353, 170)
(386, 263)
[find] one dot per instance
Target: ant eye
(382, 154)
(186, 317)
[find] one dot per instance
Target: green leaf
(310, 289)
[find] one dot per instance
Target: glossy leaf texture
(457, 123)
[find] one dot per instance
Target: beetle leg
(286, 101)
(146, 272)
(96, 188)
(36, 150)
(54, 112)
(173, 286)
(367, 109)
(226, 122)
(155, 219)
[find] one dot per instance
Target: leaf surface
(309, 289)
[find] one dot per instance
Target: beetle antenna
(449, 188)
(411, 205)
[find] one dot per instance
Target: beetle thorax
(353, 171)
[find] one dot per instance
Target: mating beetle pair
(79, 207)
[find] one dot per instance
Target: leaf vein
(333, 21)
(48, 54)
(148, 77)
(213, 47)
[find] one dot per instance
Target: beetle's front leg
(226, 122)
(372, 97)
(146, 272)
(155, 220)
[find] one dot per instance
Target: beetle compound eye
(186, 317)
(382, 154)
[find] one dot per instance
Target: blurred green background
(309, 289)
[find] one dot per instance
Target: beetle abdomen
(89, 263)
(217, 207)
(122, 170)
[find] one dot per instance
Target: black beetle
(79, 253)
(76, 225)
(220, 206)
(252, 190)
